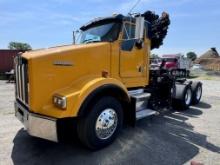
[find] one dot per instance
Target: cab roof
(103, 20)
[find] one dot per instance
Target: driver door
(132, 57)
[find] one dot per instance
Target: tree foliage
(154, 56)
(192, 56)
(19, 46)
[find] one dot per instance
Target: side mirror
(139, 29)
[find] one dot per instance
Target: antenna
(138, 1)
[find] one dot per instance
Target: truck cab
(177, 62)
(129, 59)
(100, 82)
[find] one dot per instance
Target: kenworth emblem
(63, 63)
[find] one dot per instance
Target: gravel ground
(175, 138)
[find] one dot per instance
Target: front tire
(102, 125)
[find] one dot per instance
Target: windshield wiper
(89, 41)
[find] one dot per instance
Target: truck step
(141, 96)
(141, 99)
(135, 92)
(145, 113)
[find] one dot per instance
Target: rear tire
(183, 97)
(102, 125)
(197, 92)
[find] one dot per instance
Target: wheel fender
(91, 87)
(179, 91)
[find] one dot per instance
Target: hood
(53, 69)
(58, 49)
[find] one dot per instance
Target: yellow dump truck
(101, 83)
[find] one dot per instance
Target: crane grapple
(159, 27)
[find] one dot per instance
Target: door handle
(140, 68)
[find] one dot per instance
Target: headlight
(59, 101)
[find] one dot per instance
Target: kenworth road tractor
(100, 83)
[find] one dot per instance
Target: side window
(128, 37)
(128, 31)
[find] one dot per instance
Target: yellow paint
(77, 81)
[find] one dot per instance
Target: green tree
(19, 46)
(154, 56)
(191, 55)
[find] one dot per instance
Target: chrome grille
(21, 76)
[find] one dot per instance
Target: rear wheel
(188, 97)
(183, 97)
(197, 92)
(102, 125)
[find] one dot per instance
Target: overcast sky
(195, 24)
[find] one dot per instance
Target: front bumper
(37, 125)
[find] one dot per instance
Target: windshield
(170, 59)
(101, 33)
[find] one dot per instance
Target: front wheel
(102, 125)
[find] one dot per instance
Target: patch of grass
(204, 75)
(193, 76)
(208, 78)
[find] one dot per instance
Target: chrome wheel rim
(106, 123)
(198, 93)
(188, 96)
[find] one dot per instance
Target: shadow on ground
(203, 105)
(165, 139)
